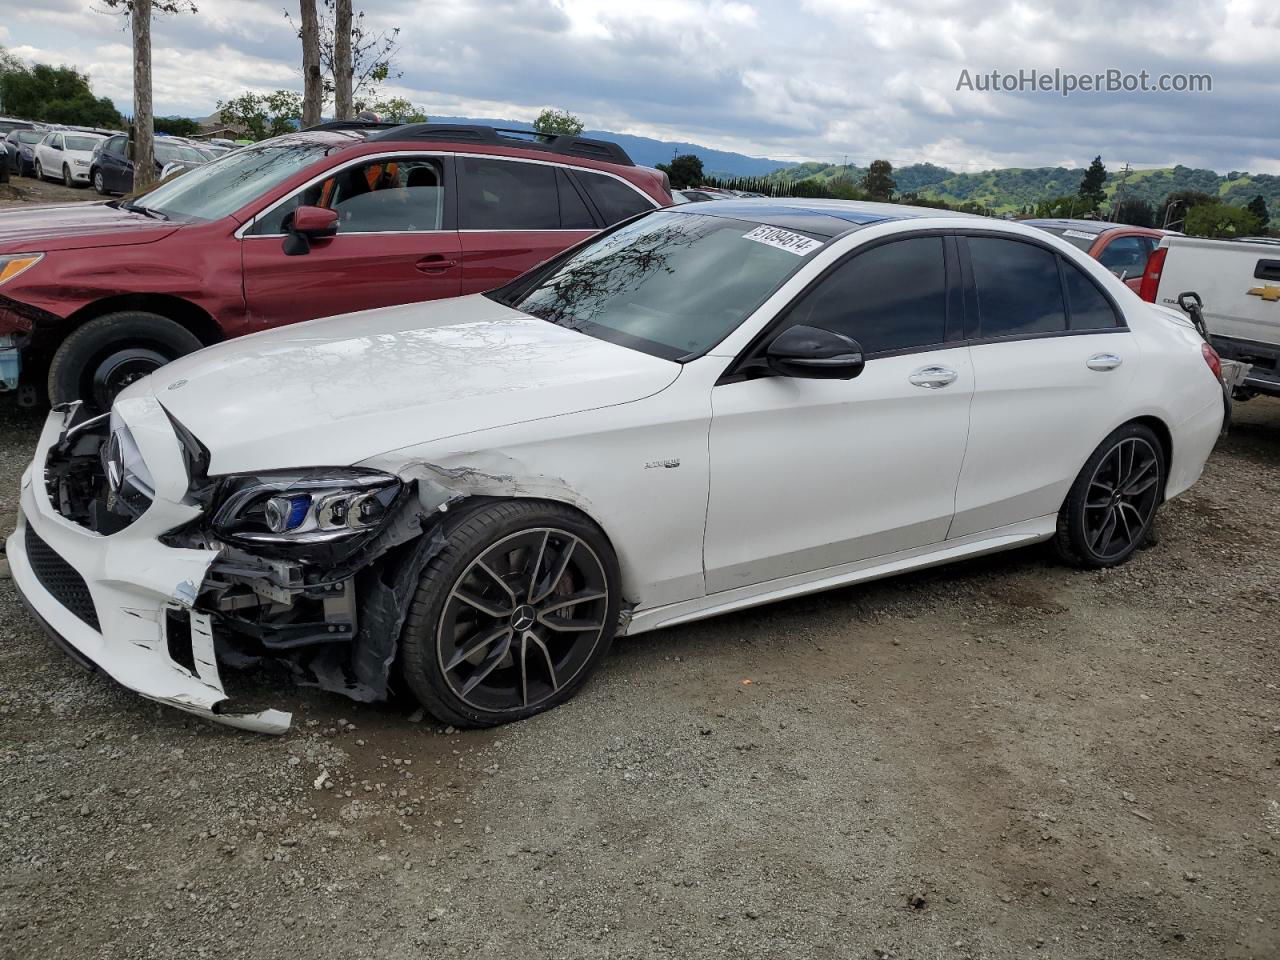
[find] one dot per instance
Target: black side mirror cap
(814, 353)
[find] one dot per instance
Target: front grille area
(60, 579)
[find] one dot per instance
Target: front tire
(512, 616)
(1111, 507)
(39, 170)
(107, 354)
(99, 184)
(66, 176)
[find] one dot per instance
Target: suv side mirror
(814, 353)
(309, 223)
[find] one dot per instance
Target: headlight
(130, 486)
(309, 506)
(13, 264)
(80, 163)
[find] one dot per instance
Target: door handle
(1103, 361)
(933, 377)
(435, 263)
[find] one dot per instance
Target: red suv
(338, 218)
(1121, 248)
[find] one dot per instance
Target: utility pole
(1119, 194)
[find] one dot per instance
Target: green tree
(683, 171)
(263, 115)
(1218, 219)
(1092, 185)
(558, 122)
(177, 126)
(1137, 213)
(842, 187)
(1177, 204)
(1258, 207)
(878, 182)
(55, 95)
(399, 110)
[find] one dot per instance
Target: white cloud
(815, 79)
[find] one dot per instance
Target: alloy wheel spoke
(477, 644)
(582, 596)
(486, 667)
(1102, 539)
(492, 574)
(537, 564)
(524, 668)
(546, 655)
(569, 626)
(1123, 521)
(561, 565)
(487, 607)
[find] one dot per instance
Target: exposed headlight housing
(309, 506)
(130, 486)
(12, 264)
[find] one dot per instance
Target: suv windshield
(671, 283)
(218, 188)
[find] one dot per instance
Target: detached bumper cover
(137, 590)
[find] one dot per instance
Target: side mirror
(309, 223)
(815, 354)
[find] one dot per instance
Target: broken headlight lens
(129, 483)
(311, 506)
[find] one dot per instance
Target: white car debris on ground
(702, 410)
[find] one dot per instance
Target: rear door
(396, 243)
(513, 215)
(1052, 363)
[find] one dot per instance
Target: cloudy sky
(789, 79)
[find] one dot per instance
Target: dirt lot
(31, 190)
(1005, 758)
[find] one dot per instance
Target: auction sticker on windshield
(1079, 234)
(795, 243)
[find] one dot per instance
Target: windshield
(30, 136)
(82, 143)
(216, 189)
(671, 283)
(168, 152)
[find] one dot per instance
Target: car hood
(337, 391)
(68, 226)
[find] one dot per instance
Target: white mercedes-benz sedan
(699, 410)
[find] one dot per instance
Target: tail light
(1151, 275)
(1212, 359)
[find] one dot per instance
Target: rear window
(614, 199)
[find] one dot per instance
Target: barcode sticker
(1079, 234)
(796, 243)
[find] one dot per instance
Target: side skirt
(1008, 537)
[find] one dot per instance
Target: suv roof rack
(564, 144)
(353, 125)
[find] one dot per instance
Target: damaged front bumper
(125, 602)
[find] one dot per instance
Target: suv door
(513, 215)
(1052, 360)
(811, 474)
(396, 243)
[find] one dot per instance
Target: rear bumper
(116, 602)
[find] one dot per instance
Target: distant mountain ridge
(1012, 188)
(649, 152)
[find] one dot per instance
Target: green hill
(1010, 189)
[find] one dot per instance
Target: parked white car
(65, 155)
(704, 409)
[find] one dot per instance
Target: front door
(395, 244)
(810, 474)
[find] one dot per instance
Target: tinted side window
(614, 199)
(1019, 291)
(1090, 310)
(115, 147)
(574, 214)
(892, 297)
(507, 195)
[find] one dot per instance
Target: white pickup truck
(1238, 282)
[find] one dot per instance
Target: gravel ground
(1004, 758)
(30, 190)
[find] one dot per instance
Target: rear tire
(1111, 507)
(519, 643)
(105, 355)
(99, 184)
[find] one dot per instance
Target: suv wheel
(512, 616)
(107, 354)
(1111, 507)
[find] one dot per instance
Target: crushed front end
(140, 564)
